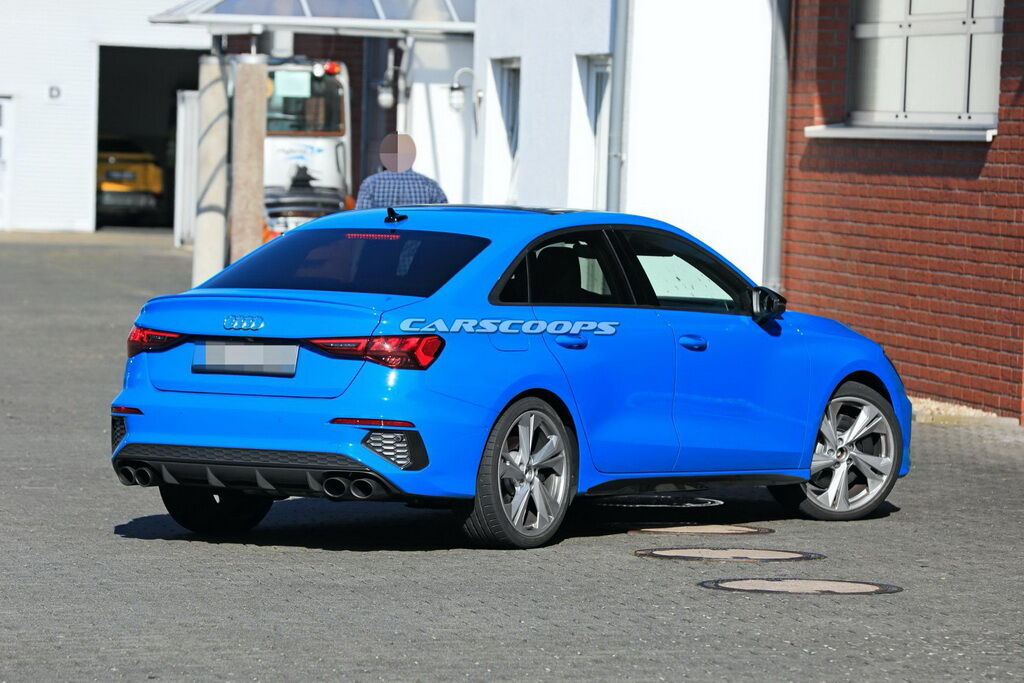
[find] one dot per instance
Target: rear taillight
(143, 339)
(411, 351)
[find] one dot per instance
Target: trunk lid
(278, 317)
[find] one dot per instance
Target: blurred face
(397, 152)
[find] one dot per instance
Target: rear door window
(400, 262)
(577, 268)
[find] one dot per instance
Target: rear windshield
(403, 262)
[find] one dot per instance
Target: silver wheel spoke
(555, 463)
(842, 503)
(552, 448)
(820, 461)
(546, 507)
(526, 427)
(517, 508)
(866, 463)
(867, 422)
(509, 471)
(831, 494)
(828, 426)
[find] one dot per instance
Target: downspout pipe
(621, 17)
(778, 116)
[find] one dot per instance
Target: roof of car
(503, 223)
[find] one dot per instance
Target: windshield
(300, 102)
(401, 262)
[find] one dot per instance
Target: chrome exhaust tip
(364, 488)
(335, 487)
(127, 475)
(145, 476)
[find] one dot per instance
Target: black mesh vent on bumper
(240, 456)
(402, 447)
(117, 431)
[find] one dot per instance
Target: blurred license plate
(120, 175)
(236, 358)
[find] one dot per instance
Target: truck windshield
(303, 103)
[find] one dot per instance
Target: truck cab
(307, 155)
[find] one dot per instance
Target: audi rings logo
(243, 322)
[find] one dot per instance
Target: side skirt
(697, 482)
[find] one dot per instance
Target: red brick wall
(919, 245)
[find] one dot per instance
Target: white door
(6, 119)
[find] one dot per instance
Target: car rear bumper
(273, 473)
(248, 438)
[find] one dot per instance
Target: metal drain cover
(704, 529)
(801, 586)
(728, 554)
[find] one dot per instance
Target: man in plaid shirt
(399, 185)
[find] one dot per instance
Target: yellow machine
(129, 182)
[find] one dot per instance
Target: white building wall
(440, 132)
(696, 131)
(697, 121)
(547, 37)
(53, 169)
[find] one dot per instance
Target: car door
(741, 390)
(618, 358)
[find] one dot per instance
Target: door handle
(571, 341)
(693, 342)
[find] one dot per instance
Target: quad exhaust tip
(364, 489)
(127, 475)
(335, 487)
(137, 476)
(341, 488)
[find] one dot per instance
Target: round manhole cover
(657, 501)
(801, 586)
(704, 530)
(728, 554)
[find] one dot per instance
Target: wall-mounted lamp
(385, 95)
(457, 91)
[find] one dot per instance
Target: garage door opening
(136, 127)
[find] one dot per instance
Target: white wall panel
(697, 121)
(56, 43)
(547, 37)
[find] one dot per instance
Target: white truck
(307, 154)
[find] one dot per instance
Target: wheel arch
(868, 379)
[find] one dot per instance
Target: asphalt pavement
(96, 581)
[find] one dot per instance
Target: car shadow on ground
(360, 526)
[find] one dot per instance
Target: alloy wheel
(854, 455)
(532, 472)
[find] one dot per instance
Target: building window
(926, 63)
(599, 69)
(507, 81)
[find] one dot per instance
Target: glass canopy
(355, 17)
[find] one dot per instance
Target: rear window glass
(401, 262)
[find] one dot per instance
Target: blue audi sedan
(502, 362)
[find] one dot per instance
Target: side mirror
(766, 304)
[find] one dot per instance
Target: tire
(870, 466)
(214, 513)
(522, 504)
